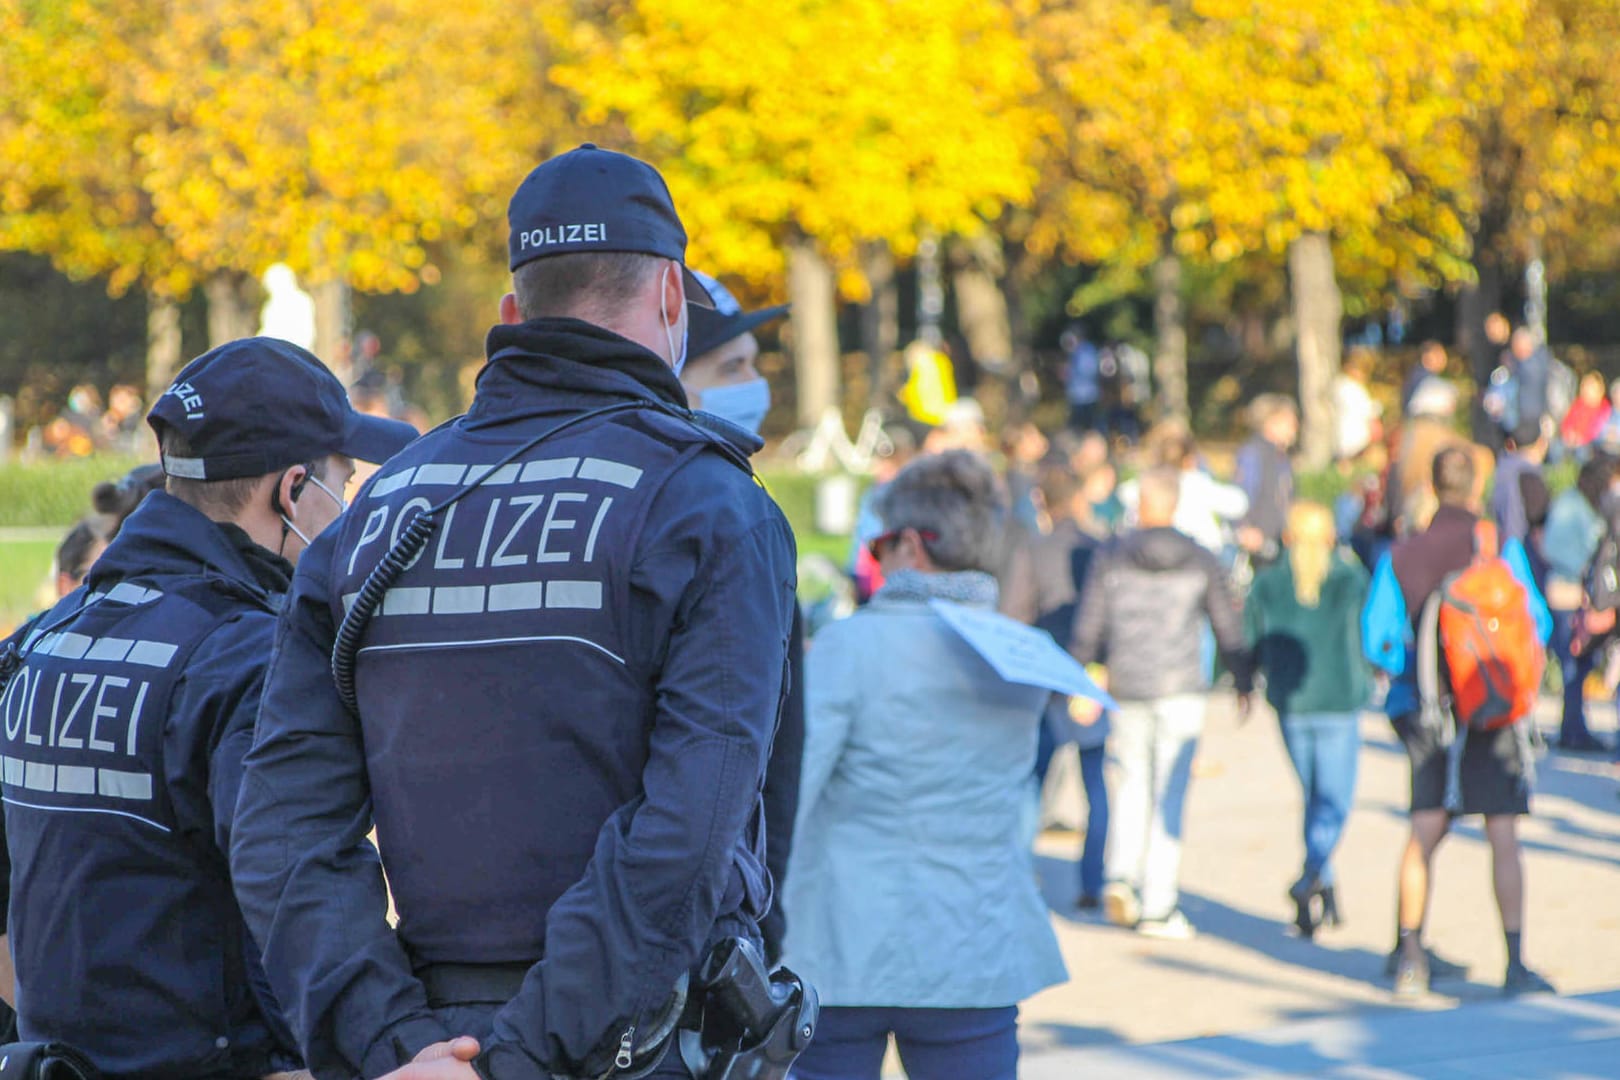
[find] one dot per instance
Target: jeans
(1095, 785)
(934, 1044)
(1325, 749)
(1574, 670)
(1154, 744)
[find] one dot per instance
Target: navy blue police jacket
(125, 730)
(565, 708)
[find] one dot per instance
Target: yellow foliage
(844, 121)
(161, 142)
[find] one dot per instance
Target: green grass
(795, 493)
(23, 566)
(53, 493)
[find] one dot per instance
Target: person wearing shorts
(1496, 770)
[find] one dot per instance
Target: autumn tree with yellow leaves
(171, 146)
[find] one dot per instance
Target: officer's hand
(462, 1048)
(445, 1068)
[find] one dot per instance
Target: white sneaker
(1173, 927)
(1121, 905)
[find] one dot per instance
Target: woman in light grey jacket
(911, 899)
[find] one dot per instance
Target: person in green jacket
(1303, 621)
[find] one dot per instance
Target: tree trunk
(1015, 257)
(981, 309)
(1170, 333)
(1318, 314)
(1475, 304)
(231, 313)
(880, 322)
(332, 328)
(815, 331)
(162, 345)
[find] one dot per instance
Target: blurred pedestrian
(1575, 526)
(1063, 556)
(1303, 621)
(1206, 509)
(1532, 370)
(1357, 416)
(1082, 379)
(1024, 447)
(930, 387)
(1584, 421)
(1266, 475)
(911, 899)
(1148, 597)
(1431, 363)
(77, 553)
(1518, 468)
(862, 568)
(1430, 429)
(1495, 771)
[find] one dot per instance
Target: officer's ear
(289, 486)
(510, 315)
(672, 293)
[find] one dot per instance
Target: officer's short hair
(581, 284)
(224, 498)
(956, 497)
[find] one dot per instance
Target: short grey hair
(956, 496)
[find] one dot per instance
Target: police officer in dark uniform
(128, 708)
(722, 378)
(544, 653)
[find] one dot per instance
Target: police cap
(260, 404)
(590, 200)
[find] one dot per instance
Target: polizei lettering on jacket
(547, 235)
(525, 541)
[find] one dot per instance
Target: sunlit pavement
(1280, 1005)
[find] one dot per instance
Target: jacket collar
(553, 366)
(165, 537)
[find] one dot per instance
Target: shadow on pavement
(1542, 1036)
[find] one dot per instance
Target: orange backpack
(1486, 634)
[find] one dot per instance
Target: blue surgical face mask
(677, 360)
(744, 404)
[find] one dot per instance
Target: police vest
(120, 910)
(505, 705)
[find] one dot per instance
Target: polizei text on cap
(547, 235)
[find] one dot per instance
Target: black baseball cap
(260, 404)
(710, 328)
(591, 199)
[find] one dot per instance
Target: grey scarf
(962, 587)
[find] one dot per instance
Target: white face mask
(676, 361)
(744, 404)
(330, 494)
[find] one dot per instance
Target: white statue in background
(289, 313)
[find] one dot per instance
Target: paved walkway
(1246, 973)
(1566, 1037)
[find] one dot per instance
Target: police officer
(545, 654)
(128, 708)
(722, 378)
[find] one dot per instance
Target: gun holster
(44, 1061)
(750, 1025)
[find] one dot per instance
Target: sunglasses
(878, 543)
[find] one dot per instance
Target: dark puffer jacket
(1146, 598)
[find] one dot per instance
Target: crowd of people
(550, 660)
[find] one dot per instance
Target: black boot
(1330, 907)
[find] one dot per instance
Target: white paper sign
(1020, 654)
